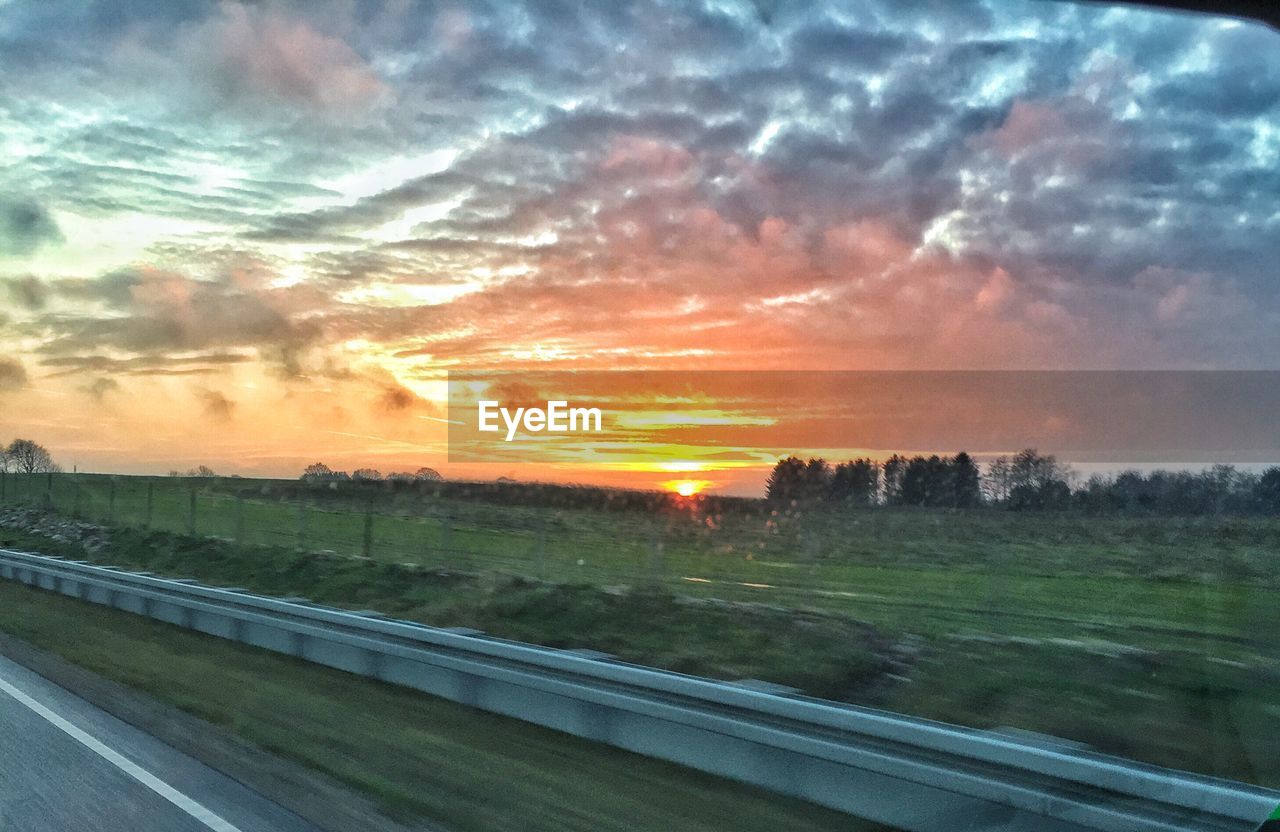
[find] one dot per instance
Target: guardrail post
(151, 495)
(111, 499)
(366, 547)
(191, 511)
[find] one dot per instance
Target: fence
(565, 546)
(892, 567)
(1177, 620)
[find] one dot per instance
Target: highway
(66, 765)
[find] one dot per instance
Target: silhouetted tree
(1267, 491)
(27, 457)
(1218, 489)
(793, 481)
(1038, 481)
(317, 472)
(855, 483)
(966, 481)
(784, 483)
(891, 474)
(367, 475)
(817, 479)
(998, 481)
(927, 481)
(915, 482)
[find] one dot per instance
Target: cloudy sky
(255, 235)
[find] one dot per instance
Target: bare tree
(427, 475)
(999, 479)
(317, 472)
(27, 457)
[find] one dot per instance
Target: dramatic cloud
(149, 311)
(100, 387)
(12, 374)
(24, 226)
(217, 406)
(283, 59)
(395, 398)
(321, 207)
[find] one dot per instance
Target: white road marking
(146, 778)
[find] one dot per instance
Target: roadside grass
(829, 656)
(422, 758)
(1197, 702)
(1171, 709)
(1189, 583)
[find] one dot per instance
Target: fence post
(191, 511)
(239, 518)
(4, 484)
(541, 552)
(446, 539)
(656, 552)
(366, 547)
(48, 489)
(111, 500)
(75, 496)
(302, 525)
(151, 495)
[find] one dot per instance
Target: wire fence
(926, 572)
(360, 521)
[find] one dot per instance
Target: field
(1151, 637)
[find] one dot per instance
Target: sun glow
(687, 488)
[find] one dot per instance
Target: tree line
(319, 472)
(1027, 480)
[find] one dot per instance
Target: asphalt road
(68, 766)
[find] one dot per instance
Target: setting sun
(687, 488)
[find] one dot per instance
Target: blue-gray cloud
(1080, 150)
(25, 225)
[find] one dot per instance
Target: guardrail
(913, 774)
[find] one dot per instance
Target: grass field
(1186, 583)
(1151, 637)
(420, 757)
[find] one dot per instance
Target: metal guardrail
(913, 774)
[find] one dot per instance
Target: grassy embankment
(1204, 585)
(420, 757)
(1141, 693)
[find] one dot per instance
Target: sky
(257, 235)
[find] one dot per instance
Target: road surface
(66, 765)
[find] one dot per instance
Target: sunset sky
(257, 235)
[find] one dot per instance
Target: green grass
(1168, 708)
(418, 756)
(1183, 708)
(1184, 583)
(834, 593)
(825, 655)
